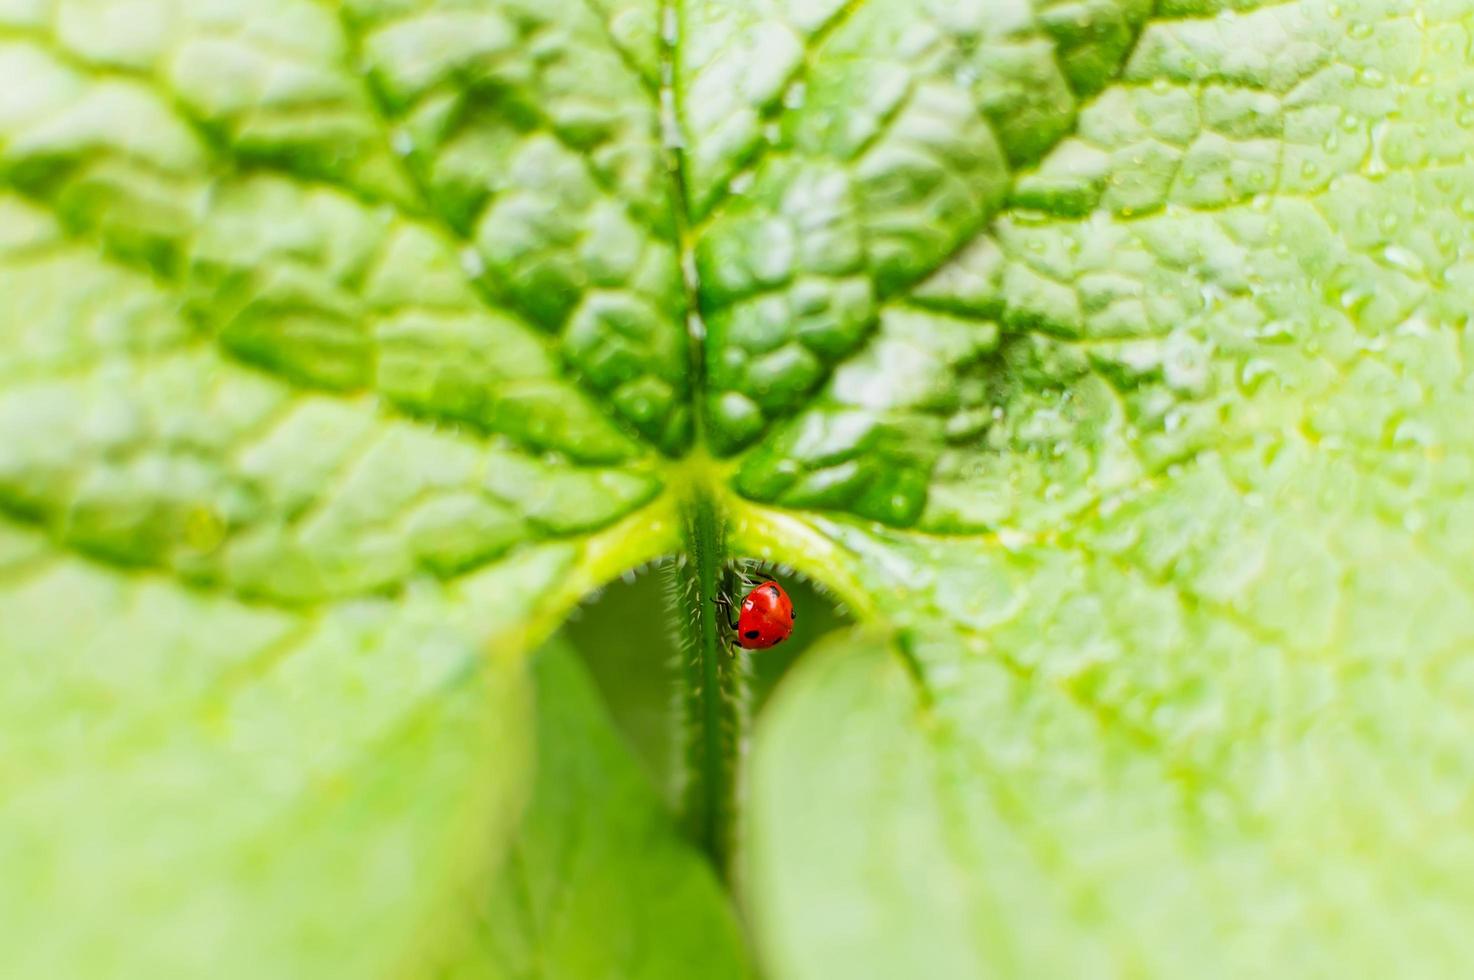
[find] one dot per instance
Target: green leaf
(296, 464)
(188, 776)
(1107, 358)
(599, 884)
(1173, 457)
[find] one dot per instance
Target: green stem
(713, 697)
(713, 686)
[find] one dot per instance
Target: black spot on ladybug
(773, 591)
(792, 615)
(752, 634)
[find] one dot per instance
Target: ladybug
(766, 618)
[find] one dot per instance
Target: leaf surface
(294, 466)
(1106, 357)
(1175, 485)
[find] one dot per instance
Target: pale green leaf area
(1106, 358)
(599, 883)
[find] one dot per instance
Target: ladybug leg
(725, 605)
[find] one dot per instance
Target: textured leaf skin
(1183, 597)
(1107, 358)
(599, 883)
(294, 466)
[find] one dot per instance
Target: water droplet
(1012, 539)
(1413, 433)
(472, 263)
(1402, 258)
(1255, 372)
(1212, 295)
(1275, 332)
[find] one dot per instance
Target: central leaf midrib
(673, 147)
(710, 759)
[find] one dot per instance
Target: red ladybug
(766, 617)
